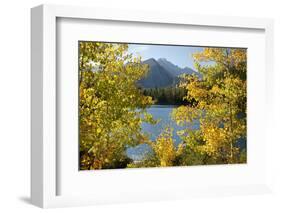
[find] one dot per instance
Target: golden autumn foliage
(219, 105)
(164, 148)
(163, 153)
(110, 104)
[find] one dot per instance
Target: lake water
(161, 112)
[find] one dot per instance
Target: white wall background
(15, 104)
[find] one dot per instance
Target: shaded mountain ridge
(163, 73)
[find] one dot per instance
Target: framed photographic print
(130, 106)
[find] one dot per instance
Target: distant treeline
(167, 96)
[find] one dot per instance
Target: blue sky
(178, 55)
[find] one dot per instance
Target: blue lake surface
(163, 114)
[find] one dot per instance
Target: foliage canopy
(110, 104)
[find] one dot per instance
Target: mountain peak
(157, 76)
(162, 59)
(151, 60)
(163, 73)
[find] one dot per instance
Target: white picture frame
(44, 135)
